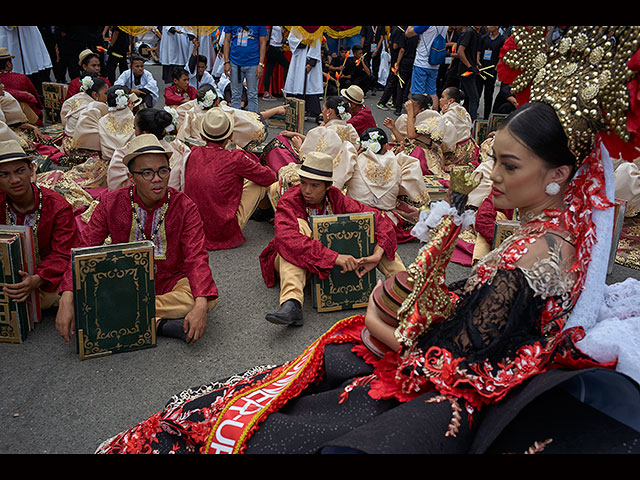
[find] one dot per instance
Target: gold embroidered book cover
(351, 234)
(114, 298)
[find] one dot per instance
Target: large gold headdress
(581, 71)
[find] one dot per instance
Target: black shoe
(290, 313)
(263, 214)
(172, 328)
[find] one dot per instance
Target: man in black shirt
(393, 88)
(371, 43)
(489, 54)
(356, 71)
(468, 69)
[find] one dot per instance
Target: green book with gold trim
(346, 234)
(114, 298)
(54, 95)
(14, 316)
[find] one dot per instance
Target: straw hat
(216, 125)
(354, 94)
(134, 99)
(4, 53)
(317, 166)
(143, 144)
(84, 54)
(10, 150)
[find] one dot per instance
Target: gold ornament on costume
(583, 75)
(462, 179)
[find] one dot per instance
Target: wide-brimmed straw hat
(354, 94)
(4, 53)
(317, 166)
(134, 99)
(10, 150)
(84, 54)
(144, 144)
(216, 125)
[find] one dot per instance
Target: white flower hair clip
(208, 100)
(174, 119)
(122, 99)
(373, 142)
(86, 83)
(343, 113)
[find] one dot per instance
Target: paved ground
(52, 402)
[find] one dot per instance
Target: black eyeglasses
(148, 174)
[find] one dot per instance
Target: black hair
(3, 63)
(538, 127)
(335, 101)
(154, 121)
(202, 91)
(179, 72)
(455, 93)
(98, 82)
(86, 59)
(137, 58)
(111, 94)
(356, 48)
(201, 59)
(131, 164)
(423, 101)
(366, 135)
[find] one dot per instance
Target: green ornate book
(54, 94)
(14, 316)
(480, 130)
(114, 298)
(27, 242)
(347, 234)
(495, 119)
(293, 118)
(502, 230)
(436, 190)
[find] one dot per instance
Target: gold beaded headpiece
(581, 72)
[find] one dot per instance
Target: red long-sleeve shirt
(56, 234)
(309, 253)
(183, 241)
(214, 178)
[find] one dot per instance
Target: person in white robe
(140, 81)
(26, 44)
(304, 77)
(198, 66)
(174, 49)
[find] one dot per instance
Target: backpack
(438, 50)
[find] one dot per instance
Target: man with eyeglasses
(151, 210)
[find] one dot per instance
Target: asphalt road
(53, 402)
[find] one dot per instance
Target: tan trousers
(48, 299)
(293, 278)
(252, 195)
(178, 302)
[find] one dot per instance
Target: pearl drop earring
(552, 188)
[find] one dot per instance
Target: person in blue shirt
(244, 53)
(425, 74)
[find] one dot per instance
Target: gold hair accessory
(581, 72)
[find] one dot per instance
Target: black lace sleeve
(492, 321)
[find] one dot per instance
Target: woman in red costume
(444, 371)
